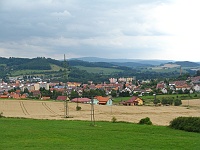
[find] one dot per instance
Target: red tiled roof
(160, 86)
(3, 96)
(102, 99)
(132, 99)
(63, 98)
(81, 100)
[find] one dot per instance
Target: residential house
(25, 95)
(113, 80)
(183, 87)
(44, 85)
(164, 90)
(4, 96)
(180, 85)
(81, 100)
(196, 87)
(103, 100)
(73, 84)
(195, 79)
(36, 93)
(160, 86)
(133, 101)
(15, 95)
(62, 98)
(46, 97)
(139, 91)
(127, 89)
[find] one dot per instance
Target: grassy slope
(24, 72)
(99, 69)
(55, 134)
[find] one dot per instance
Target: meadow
(35, 134)
(99, 70)
(150, 98)
(36, 72)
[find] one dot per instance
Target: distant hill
(75, 63)
(39, 63)
(84, 71)
(186, 63)
(126, 62)
(131, 64)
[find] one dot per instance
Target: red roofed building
(4, 96)
(62, 98)
(81, 100)
(104, 100)
(133, 101)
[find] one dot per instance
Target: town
(35, 88)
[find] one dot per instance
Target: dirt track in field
(160, 115)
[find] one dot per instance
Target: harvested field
(160, 115)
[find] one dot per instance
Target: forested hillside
(39, 63)
(48, 68)
(186, 63)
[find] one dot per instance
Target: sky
(119, 29)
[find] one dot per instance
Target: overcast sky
(133, 29)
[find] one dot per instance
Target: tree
(186, 91)
(167, 101)
(198, 73)
(74, 94)
(156, 101)
(146, 121)
(177, 102)
(114, 93)
(55, 94)
(124, 94)
(26, 90)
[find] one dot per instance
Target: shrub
(167, 101)
(145, 121)
(78, 108)
(1, 115)
(177, 102)
(156, 101)
(191, 124)
(114, 119)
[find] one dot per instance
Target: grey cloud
(79, 27)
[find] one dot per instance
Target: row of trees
(168, 101)
(55, 94)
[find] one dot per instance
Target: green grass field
(38, 72)
(99, 69)
(61, 134)
(149, 99)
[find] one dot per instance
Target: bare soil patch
(161, 115)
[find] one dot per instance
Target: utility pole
(92, 113)
(66, 109)
(77, 98)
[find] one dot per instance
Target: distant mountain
(138, 62)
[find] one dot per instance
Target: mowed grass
(62, 134)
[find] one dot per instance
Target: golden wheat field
(160, 115)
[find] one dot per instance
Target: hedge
(191, 124)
